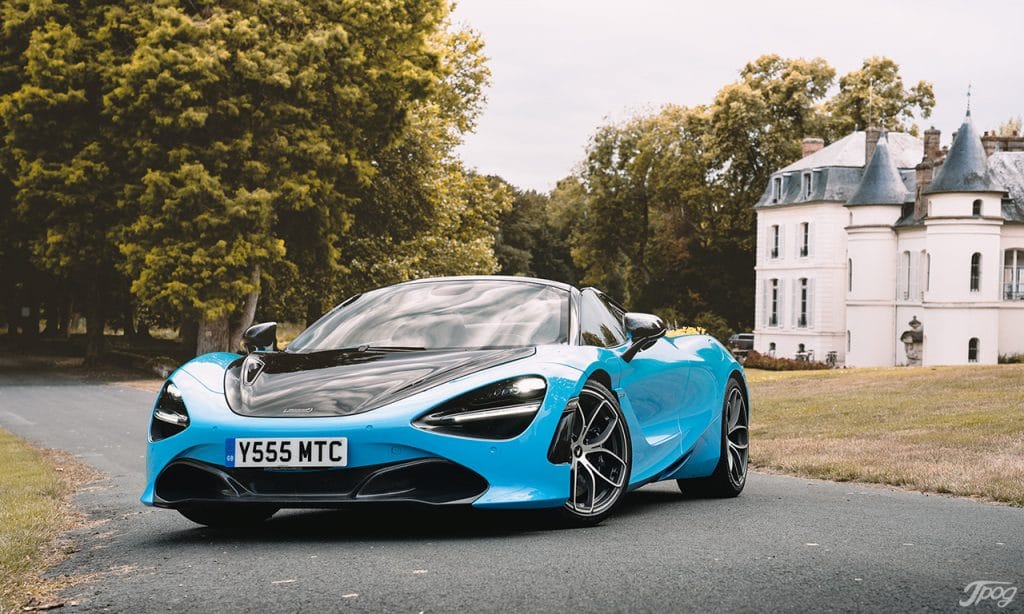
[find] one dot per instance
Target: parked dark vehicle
(743, 342)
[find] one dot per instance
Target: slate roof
(905, 150)
(881, 183)
(837, 170)
(1006, 168)
(965, 168)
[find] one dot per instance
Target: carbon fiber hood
(346, 382)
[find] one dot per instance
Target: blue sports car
(495, 392)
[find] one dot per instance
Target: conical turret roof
(966, 166)
(881, 183)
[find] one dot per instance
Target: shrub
(756, 360)
(1011, 359)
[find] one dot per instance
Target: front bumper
(425, 467)
(426, 481)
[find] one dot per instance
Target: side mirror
(260, 338)
(644, 329)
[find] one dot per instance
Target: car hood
(346, 382)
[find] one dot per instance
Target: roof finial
(968, 100)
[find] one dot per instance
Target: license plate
(286, 452)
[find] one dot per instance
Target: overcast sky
(563, 67)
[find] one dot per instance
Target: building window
(771, 349)
(906, 277)
(1013, 275)
(775, 241)
(928, 271)
(807, 185)
(925, 265)
(849, 274)
(972, 350)
(805, 239)
(976, 208)
(773, 305)
(776, 189)
(849, 341)
(803, 301)
(975, 272)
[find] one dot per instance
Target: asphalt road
(786, 544)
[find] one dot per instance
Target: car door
(651, 387)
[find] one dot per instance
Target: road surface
(786, 544)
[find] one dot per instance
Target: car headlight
(498, 411)
(169, 415)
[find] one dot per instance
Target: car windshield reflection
(444, 314)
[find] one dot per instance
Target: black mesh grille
(433, 481)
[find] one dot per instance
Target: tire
(730, 475)
(602, 458)
(227, 516)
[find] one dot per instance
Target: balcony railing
(1013, 292)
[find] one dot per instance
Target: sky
(561, 68)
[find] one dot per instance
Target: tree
(665, 201)
(251, 129)
(424, 214)
(875, 95)
(1011, 127)
(58, 58)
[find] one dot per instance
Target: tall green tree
(273, 116)
(665, 201)
(876, 95)
(57, 152)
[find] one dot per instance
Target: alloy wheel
(599, 455)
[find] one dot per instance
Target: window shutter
(795, 308)
(782, 242)
(765, 301)
(810, 303)
(810, 239)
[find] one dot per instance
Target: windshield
(444, 314)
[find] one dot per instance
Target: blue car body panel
(671, 396)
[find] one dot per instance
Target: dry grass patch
(35, 487)
(957, 430)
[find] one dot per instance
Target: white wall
(824, 267)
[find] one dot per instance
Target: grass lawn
(957, 430)
(32, 515)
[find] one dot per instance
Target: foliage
(208, 151)
(875, 94)
(756, 360)
(1012, 126)
(57, 151)
(664, 202)
(1011, 359)
(533, 239)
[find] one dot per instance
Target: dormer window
(808, 185)
(776, 189)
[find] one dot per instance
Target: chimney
(993, 142)
(924, 173)
(871, 136)
(932, 149)
(811, 145)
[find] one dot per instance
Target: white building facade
(884, 250)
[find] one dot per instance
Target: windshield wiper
(381, 348)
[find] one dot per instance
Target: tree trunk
(95, 323)
(248, 313)
(188, 335)
(65, 316)
(214, 336)
(313, 312)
